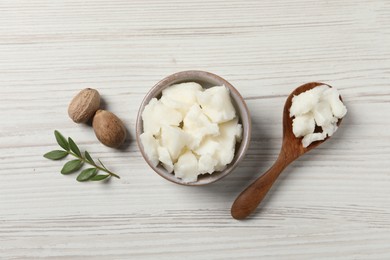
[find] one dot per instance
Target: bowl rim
(168, 81)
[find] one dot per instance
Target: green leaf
(102, 164)
(86, 174)
(61, 140)
(71, 166)
(88, 157)
(74, 147)
(55, 155)
(99, 177)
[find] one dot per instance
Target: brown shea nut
(84, 105)
(108, 128)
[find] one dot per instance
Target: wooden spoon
(291, 149)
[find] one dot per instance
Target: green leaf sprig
(70, 147)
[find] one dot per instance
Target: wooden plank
(331, 204)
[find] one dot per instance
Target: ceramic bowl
(207, 80)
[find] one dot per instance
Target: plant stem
(93, 164)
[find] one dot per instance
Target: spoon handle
(251, 197)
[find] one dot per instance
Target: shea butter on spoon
(190, 130)
(319, 107)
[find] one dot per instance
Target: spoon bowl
(292, 148)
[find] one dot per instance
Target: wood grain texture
(332, 203)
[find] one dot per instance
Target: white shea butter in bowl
(318, 108)
(191, 130)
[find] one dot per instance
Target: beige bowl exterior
(207, 80)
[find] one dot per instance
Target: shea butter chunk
(329, 129)
(306, 101)
(150, 145)
(165, 158)
(207, 164)
(198, 125)
(216, 104)
(181, 96)
(156, 115)
(332, 96)
(174, 139)
(322, 113)
(186, 167)
(303, 125)
(309, 138)
(207, 152)
(229, 133)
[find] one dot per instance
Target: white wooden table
(333, 203)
